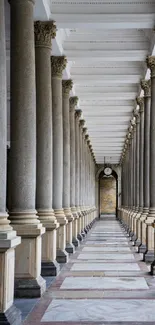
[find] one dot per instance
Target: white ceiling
(106, 43)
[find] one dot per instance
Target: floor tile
(106, 256)
(105, 267)
(100, 310)
(130, 283)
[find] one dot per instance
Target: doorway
(108, 194)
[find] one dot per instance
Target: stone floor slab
(100, 310)
(106, 249)
(105, 267)
(106, 256)
(130, 283)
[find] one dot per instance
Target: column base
(62, 256)
(75, 242)
(29, 288)
(153, 268)
(134, 238)
(11, 316)
(142, 249)
(83, 233)
(50, 268)
(79, 237)
(137, 242)
(149, 256)
(70, 248)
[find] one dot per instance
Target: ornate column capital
(136, 115)
(58, 64)
(150, 60)
(146, 86)
(84, 131)
(140, 102)
(78, 113)
(67, 86)
(44, 32)
(73, 101)
(82, 123)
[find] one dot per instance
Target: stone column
(84, 178)
(136, 170)
(24, 219)
(130, 177)
(44, 32)
(66, 88)
(82, 122)
(149, 256)
(73, 103)
(8, 239)
(140, 102)
(77, 170)
(58, 64)
(133, 177)
(145, 84)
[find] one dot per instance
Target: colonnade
(51, 165)
(137, 212)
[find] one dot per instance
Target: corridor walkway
(104, 282)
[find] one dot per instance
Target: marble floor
(105, 282)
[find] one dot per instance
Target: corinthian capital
(58, 64)
(78, 113)
(136, 115)
(73, 101)
(82, 123)
(140, 102)
(146, 86)
(84, 131)
(67, 86)
(151, 64)
(44, 32)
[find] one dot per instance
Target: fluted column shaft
(23, 152)
(8, 238)
(44, 32)
(58, 64)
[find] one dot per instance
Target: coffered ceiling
(106, 43)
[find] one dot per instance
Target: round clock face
(107, 171)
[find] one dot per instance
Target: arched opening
(108, 193)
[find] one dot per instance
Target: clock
(107, 171)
